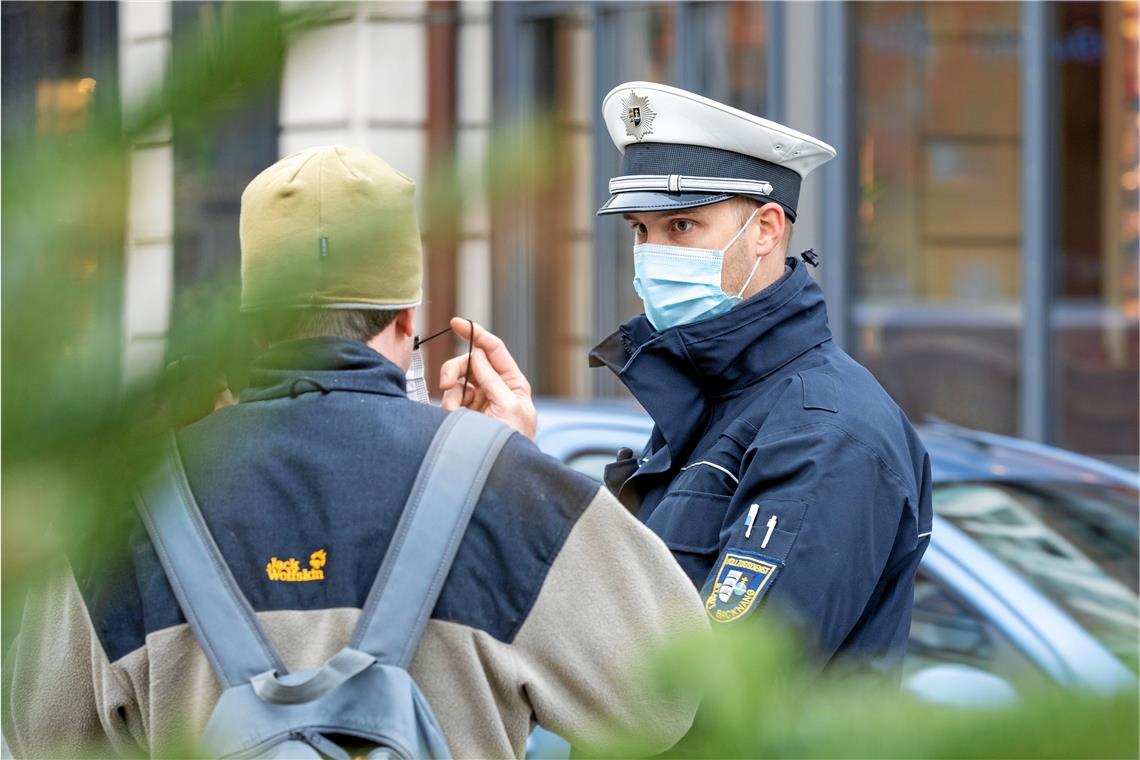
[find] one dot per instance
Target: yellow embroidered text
(290, 570)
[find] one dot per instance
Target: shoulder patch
(741, 578)
(819, 391)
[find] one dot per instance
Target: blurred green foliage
(76, 433)
(763, 698)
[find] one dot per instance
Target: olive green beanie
(330, 227)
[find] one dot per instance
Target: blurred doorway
(560, 272)
(940, 291)
(1096, 311)
(937, 263)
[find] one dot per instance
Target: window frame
(514, 27)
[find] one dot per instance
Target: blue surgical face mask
(680, 285)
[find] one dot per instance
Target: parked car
(1031, 574)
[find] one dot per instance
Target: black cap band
(700, 161)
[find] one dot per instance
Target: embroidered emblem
(740, 580)
(637, 115)
(290, 570)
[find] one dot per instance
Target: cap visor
(628, 203)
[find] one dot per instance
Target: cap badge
(637, 115)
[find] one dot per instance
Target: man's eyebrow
(693, 212)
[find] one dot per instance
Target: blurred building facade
(979, 232)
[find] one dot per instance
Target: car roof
(957, 454)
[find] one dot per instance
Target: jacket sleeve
(61, 697)
(612, 596)
(833, 516)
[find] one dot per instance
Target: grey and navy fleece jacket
(555, 593)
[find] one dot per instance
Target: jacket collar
(322, 365)
(676, 374)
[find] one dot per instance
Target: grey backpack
(364, 695)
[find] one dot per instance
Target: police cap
(681, 150)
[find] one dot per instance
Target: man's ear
(405, 322)
(770, 221)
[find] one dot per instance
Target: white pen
(768, 535)
(750, 520)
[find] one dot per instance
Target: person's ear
(405, 322)
(770, 223)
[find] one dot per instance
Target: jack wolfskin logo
(290, 570)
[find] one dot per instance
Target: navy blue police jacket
(759, 411)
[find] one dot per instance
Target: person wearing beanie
(302, 482)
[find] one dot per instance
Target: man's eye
(682, 225)
(638, 229)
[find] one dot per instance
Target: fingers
(484, 376)
(467, 396)
(459, 387)
(481, 389)
(483, 381)
(451, 372)
(488, 380)
(452, 399)
(476, 399)
(496, 352)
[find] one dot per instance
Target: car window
(591, 463)
(1076, 543)
(946, 630)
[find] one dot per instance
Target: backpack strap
(428, 535)
(220, 616)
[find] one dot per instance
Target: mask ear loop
(470, 351)
(739, 232)
(420, 341)
(736, 237)
(750, 276)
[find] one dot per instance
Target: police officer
(779, 473)
(302, 483)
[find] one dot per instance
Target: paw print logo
(318, 559)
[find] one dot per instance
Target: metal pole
(606, 245)
(512, 69)
(1037, 204)
(776, 32)
(838, 228)
(688, 50)
(443, 226)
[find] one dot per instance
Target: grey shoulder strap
(220, 616)
(427, 537)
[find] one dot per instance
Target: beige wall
(144, 54)
(362, 80)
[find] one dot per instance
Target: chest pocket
(688, 521)
(717, 469)
(777, 525)
(690, 517)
